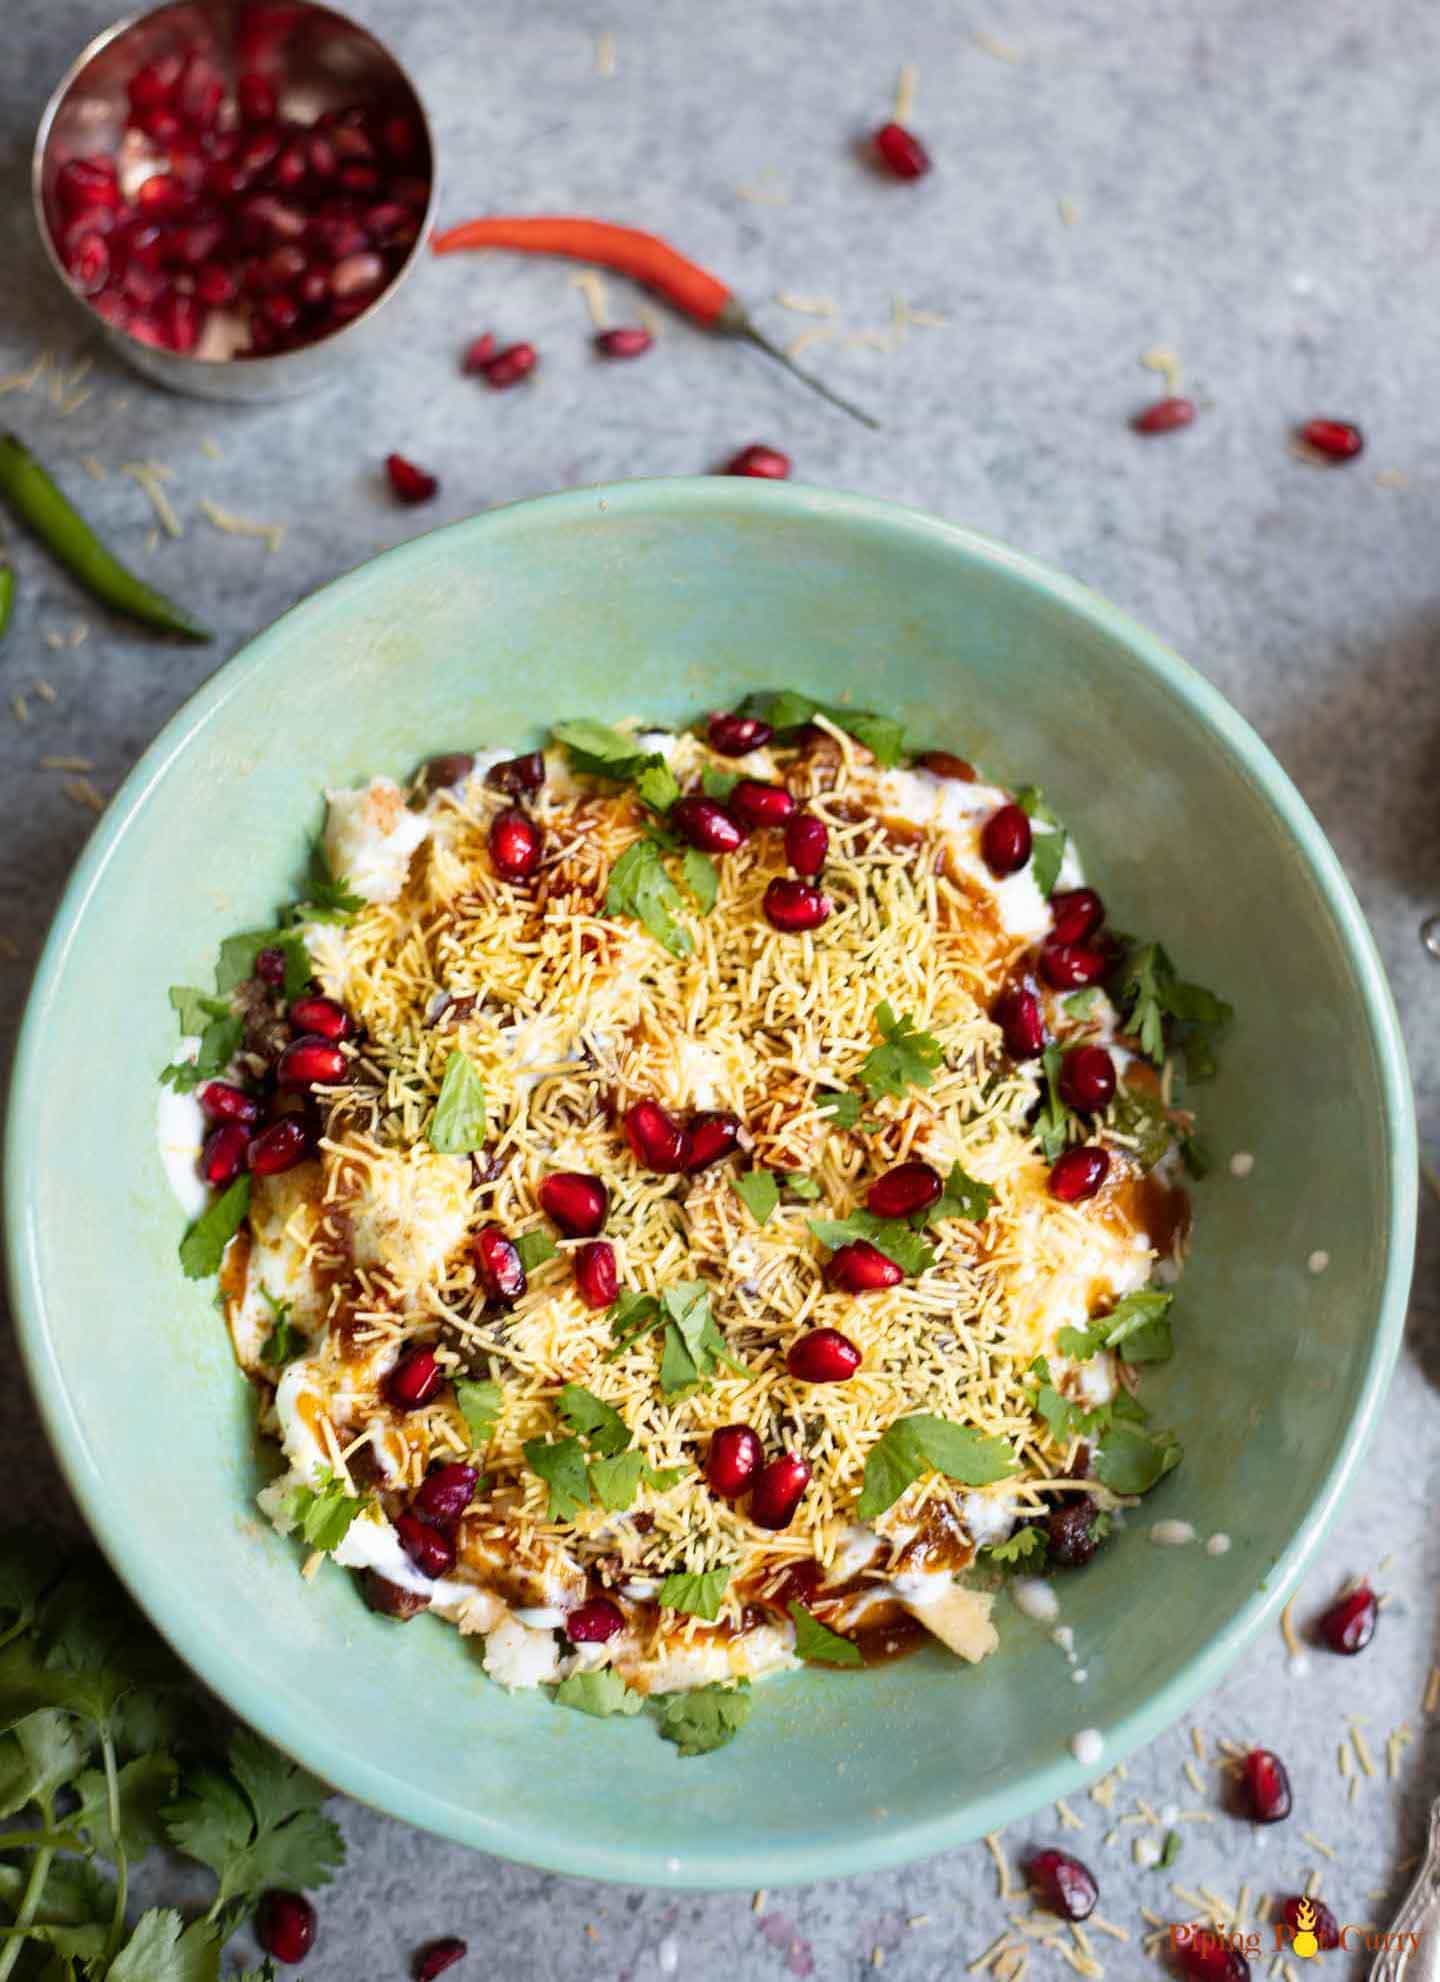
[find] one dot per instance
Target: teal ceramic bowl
(666, 599)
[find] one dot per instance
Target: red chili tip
(630, 341)
(411, 484)
(767, 462)
(1337, 440)
(901, 152)
(1164, 416)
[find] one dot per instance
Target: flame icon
(1304, 1944)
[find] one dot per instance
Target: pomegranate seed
(256, 98)
(732, 1461)
(795, 906)
(860, 1268)
(443, 1496)
(629, 342)
(322, 1016)
(1349, 1624)
(145, 328)
(225, 180)
(1266, 1785)
(435, 1958)
(283, 266)
(1087, 1079)
(155, 82)
(737, 736)
(336, 236)
(181, 319)
(357, 177)
(596, 1278)
(282, 310)
(258, 151)
(1077, 914)
(215, 286)
(901, 152)
(400, 135)
(160, 194)
(223, 1157)
(393, 1599)
(1020, 1018)
(711, 1137)
(430, 1549)
(945, 764)
(1340, 440)
(479, 353)
(515, 844)
(778, 1490)
(280, 1147)
(901, 1192)
(83, 182)
(510, 366)
(1005, 840)
(224, 1103)
(1322, 1922)
(264, 219)
(200, 94)
(577, 1203)
(498, 1264)
(391, 225)
(87, 261)
(313, 288)
(1069, 965)
(1164, 416)
(807, 841)
(1064, 1885)
(320, 156)
(594, 1623)
(1070, 1532)
(414, 1380)
(290, 167)
(285, 1925)
(518, 775)
(657, 1142)
(1078, 1173)
(356, 276)
(760, 804)
(707, 825)
(112, 308)
(767, 463)
(1205, 1957)
(822, 1356)
(161, 125)
(411, 484)
(311, 1061)
(350, 141)
(270, 966)
(413, 190)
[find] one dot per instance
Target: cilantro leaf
(695, 1595)
(330, 898)
(562, 1467)
(716, 783)
(787, 712)
(694, 1347)
(1052, 1124)
(597, 744)
(818, 1644)
(641, 887)
(1080, 1004)
(144, 1787)
(1169, 1851)
(27, 1570)
(704, 1719)
(535, 1247)
(1136, 1328)
(322, 1513)
(238, 954)
(1047, 847)
(599, 1423)
(1196, 1157)
(894, 1237)
(203, 1246)
(964, 1196)
(285, 1341)
(843, 1109)
(1020, 1547)
(257, 1825)
(1131, 1458)
(1139, 1119)
(657, 786)
(900, 1456)
(758, 1191)
(632, 1316)
(45, 1751)
(616, 1481)
(196, 1008)
(908, 1058)
(480, 1406)
(600, 1693)
(799, 1184)
(1154, 1000)
(701, 876)
(163, 1949)
(458, 1124)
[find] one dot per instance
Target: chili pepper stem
(733, 321)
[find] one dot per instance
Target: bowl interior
(667, 599)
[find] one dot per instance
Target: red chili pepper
(693, 290)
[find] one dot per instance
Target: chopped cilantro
(285, 1341)
(220, 1030)
(1155, 1002)
(480, 1406)
(203, 1246)
(716, 783)
(1047, 847)
(1136, 1328)
(1027, 1545)
(908, 1058)
(599, 1693)
(694, 1347)
(963, 1197)
(458, 1124)
(787, 712)
(1131, 1458)
(817, 1644)
(1080, 1004)
(599, 1423)
(196, 1008)
(591, 744)
(799, 1184)
(615, 1482)
(323, 1513)
(843, 1109)
(641, 887)
(892, 1236)
(701, 877)
(562, 1467)
(758, 1191)
(1140, 1119)
(329, 897)
(1169, 1851)
(534, 1248)
(238, 954)
(695, 1595)
(706, 1718)
(255, 1826)
(1196, 1157)
(900, 1456)
(657, 787)
(1052, 1124)
(632, 1316)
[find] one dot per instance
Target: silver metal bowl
(325, 60)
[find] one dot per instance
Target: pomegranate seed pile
(219, 203)
(671, 1156)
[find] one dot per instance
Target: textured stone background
(1254, 186)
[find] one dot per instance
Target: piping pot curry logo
(1304, 1942)
(1301, 1940)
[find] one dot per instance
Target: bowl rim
(730, 1867)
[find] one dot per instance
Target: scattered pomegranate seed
(759, 804)
(901, 1192)
(1349, 1624)
(795, 906)
(429, 1548)
(285, 1925)
(1323, 1924)
(577, 1203)
(596, 1277)
(1070, 1532)
(732, 1461)
(443, 1496)
(478, 353)
(414, 1380)
(439, 1955)
(1164, 416)
(311, 1061)
(280, 1147)
(411, 484)
(392, 1599)
(737, 736)
(498, 1264)
(1068, 966)
(1339, 440)
(807, 841)
(1005, 840)
(1087, 1079)
(595, 1622)
(657, 1142)
(778, 1490)
(768, 463)
(1078, 1173)
(516, 844)
(901, 152)
(860, 1268)
(706, 824)
(1063, 1884)
(1266, 1786)
(321, 1015)
(510, 366)
(1077, 914)
(822, 1356)
(712, 1137)
(517, 775)
(224, 1103)
(627, 342)
(1019, 1015)
(1205, 1956)
(224, 1154)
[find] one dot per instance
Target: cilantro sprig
(640, 886)
(1159, 1009)
(596, 1465)
(913, 1445)
(788, 712)
(693, 1350)
(329, 897)
(705, 1719)
(1047, 847)
(907, 1058)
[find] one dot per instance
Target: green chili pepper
(7, 595)
(64, 532)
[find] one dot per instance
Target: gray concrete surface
(1252, 186)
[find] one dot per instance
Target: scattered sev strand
(151, 476)
(1002, 51)
(1160, 358)
(1316, 1844)
(1287, 1627)
(820, 334)
(225, 520)
(605, 54)
(806, 306)
(1002, 1867)
(906, 84)
(592, 287)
